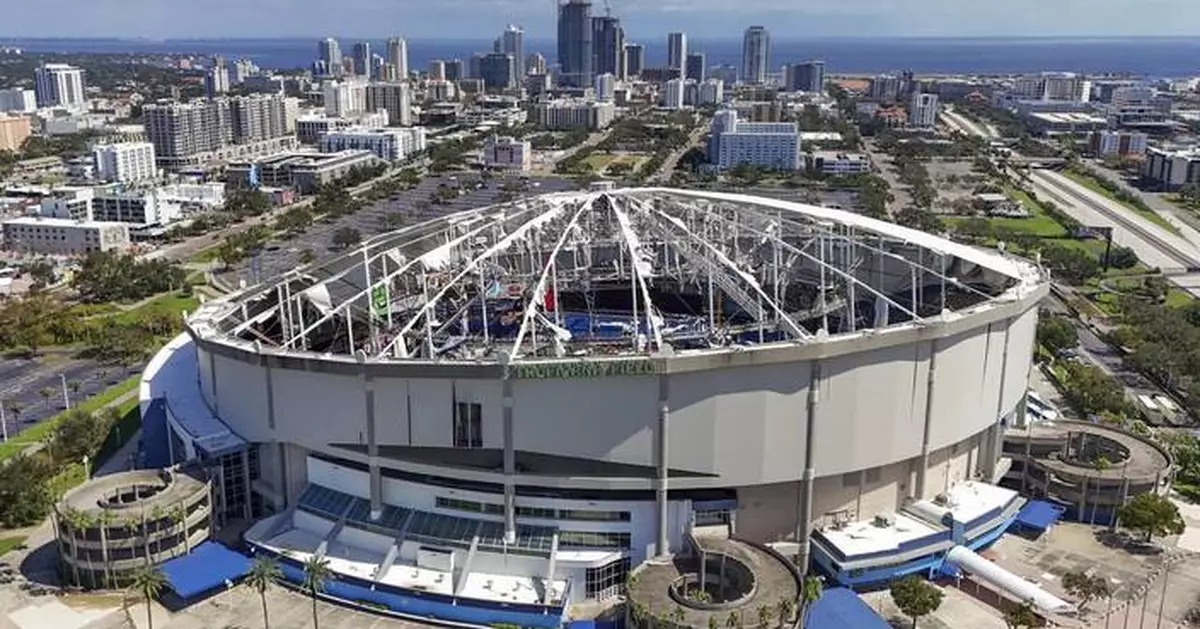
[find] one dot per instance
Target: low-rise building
(838, 163)
(13, 132)
(63, 236)
(141, 208)
(573, 114)
(1172, 168)
(1055, 123)
(72, 203)
(303, 172)
(507, 153)
(774, 145)
(1109, 143)
(310, 128)
(390, 144)
(125, 162)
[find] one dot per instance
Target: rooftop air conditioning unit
(942, 500)
(884, 520)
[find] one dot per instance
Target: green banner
(379, 300)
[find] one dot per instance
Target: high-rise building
(454, 70)
(437, 70)
(535, 64)
(362, 58)
(606, 87)
(329, 52)
(712, 92)
(216, 80)
(125, 162)
(673, 94)
(395, 98)
(635, 59)
(805, 77)
(756, 55)
(608, 44)
(498, 71)
(512, 42)
(18, 101)
(575, 55)
(345, 98)
(677, 51)
(59, 85)
(180, 130)
(397, 55)
(885, 88)
(774, 145)
(696, 65)
(257, 117)
(923, 110)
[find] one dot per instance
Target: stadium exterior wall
(731, 419)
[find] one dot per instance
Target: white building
(1107, 143)
(18, 101)
(507, 153)
(1052, 86)
(140, 208)
(774, 145)
(1171, 168)
(345, 98)
(673, 94)
(606, 87)
(712, 92)
(63, 236)
(440, 90)
(838, 163)
(70, 203)
(389, 144)
(395, 98)
(573, 114)
(923, 110)
(310, 128)
(60, 85)
(397, 56)
(126, 162)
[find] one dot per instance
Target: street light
(66, 398)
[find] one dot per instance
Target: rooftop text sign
(583, 369)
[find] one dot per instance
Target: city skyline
(704, 19)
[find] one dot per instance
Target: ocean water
(1150, 57)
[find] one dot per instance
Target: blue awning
(1039, 515)
(153, 444)
(839, 608)
(208, 566)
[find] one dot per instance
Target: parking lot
(22, 380)
(284, 255)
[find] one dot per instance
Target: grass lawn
(39, 431)
(205, 255)
(599, 161)
(8, 544)
(1093, 185)
(170, 303)
(1177, 297)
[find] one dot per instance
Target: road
(672, 160)
(966, 125)
(1187, 223)
(901, 197)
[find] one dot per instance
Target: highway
(966, 125)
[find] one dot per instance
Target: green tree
(307, 256)
(1021, 617)
(295, 220)
(1122, 257)
(1092, 391)
(149, 583)
(316, 575)
(811, 590)
(784, 609)
(916, 597)
(77, 434)
(1073, 266)
(1152, 515)
(264, 574)
(45, 393)
(25, 497)
(346, 237)
(42, 274)
(1085, 587)
(1057, 333)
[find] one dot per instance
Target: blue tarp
(1039, 515)
(840, 608)
(208, 566)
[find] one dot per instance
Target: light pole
(3, 422)
(66, 398)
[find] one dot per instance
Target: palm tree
(45, 393)
(74, 386)
(264, 573)
(811, 591)
(149, 582)
(764, 616)
(785, 608)
(316, 573)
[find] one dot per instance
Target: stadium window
(468, 425)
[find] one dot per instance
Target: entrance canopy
(210, 565)
(1039, 515)
(840, 608)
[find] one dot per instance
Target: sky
(465, 19)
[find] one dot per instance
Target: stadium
(500, 414)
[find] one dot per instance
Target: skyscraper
(397, 55)
(512, 42)
(696, 66)
(216, 80)
(362, 58)
(756, 54)
(330, 52)
(498, 71)
(59, 85)
(437, 70)
(635, 59)
(535, 64)
(677, 51)
(805, 77)
(608, 42)
(454, 70)
(575, 44)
